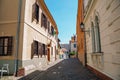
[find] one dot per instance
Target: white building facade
(73, 44)
(32, 31)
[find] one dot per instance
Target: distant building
(64, 51)
(66, 46)
(73, 44)
(28, 34)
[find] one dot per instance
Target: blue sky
(64, 13)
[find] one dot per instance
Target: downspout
(85, 47)
(17, 36)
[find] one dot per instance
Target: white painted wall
(72, 47)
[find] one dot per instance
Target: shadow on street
(68, 69)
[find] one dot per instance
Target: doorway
(48, 54)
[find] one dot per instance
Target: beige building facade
(28, 34)
(102, 30)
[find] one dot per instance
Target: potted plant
(21, 72)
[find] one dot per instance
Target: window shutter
(41, 19)
(33, 12)
(37, 12)
(45, 22)
(40, 49)
(52, 30)
(1, 45)
(10, 47)
(43, 49)
(35, 47)
(48, 27)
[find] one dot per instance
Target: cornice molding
(89, 10)
(8, 22)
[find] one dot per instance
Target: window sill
(97, 53)
(5, 55)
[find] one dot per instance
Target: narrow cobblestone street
(68, 69)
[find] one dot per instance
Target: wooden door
(48, 54)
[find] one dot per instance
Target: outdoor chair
(5, 69)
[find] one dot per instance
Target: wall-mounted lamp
(83, 28)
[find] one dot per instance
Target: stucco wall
(8, 27)
(29, 31)
(34, 31)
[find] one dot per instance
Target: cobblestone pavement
(68, 69)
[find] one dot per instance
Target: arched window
(97, 35)
(93, 37)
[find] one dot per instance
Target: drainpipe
(17, 36)
(85, 49)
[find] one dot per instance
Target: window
(35, 12)
(35, 47)
(74, 37)
(43, 21)
(49, 27)
(96, 43)
(38, 49)
(6, 46)
(52, 30)
(93, 37)
(97, 35)
(74, 45)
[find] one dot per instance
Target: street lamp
(82, 26)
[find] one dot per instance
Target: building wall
(8, 27)
(66, 46)
(108, 60)
(80, 33)
(72, 42)
(29, 31)
(34, 31)
(72, 48)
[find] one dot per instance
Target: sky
(64, 13)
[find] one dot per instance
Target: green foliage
(73, 53)
(54, 33)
